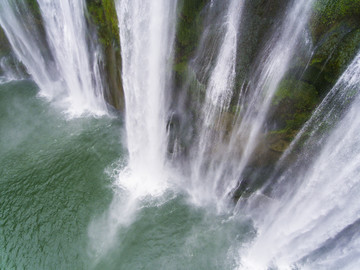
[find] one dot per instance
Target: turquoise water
(56, 179)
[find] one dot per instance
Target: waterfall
(217, 100)
(219, 159)
(77, 66)
(147, 30)
(306, 225)
(59, 60)
(305, 215)
(10, 69)
(27, 43)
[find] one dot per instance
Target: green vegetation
(187, 35)
(335, 30)
(102, 16)
(328, 13)
(295, 100)
(5, 48)
(35, 10)
(188, 28)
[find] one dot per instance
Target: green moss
(5, 47)
(188, 32)
(103, 14)
(327, 13)
(334, 52)
(300, 94)
(347, 49)
(34, 9)
(293, 104)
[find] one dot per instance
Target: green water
(56, 180)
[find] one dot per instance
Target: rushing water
(315, 222)
(58, 60)
(147, 31)
(77, 66)
(57, 178)
(92, 192)
(222, 168)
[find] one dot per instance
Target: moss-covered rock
(328, 13)
(333, 53)
(291, 107)
(103, 18)
(336, 38)
(259, 20)
(188, 33)
(34, 9)
(103, 15)
(5, 47)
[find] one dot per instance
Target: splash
(147, 30)
(55, 52)
(318, 215)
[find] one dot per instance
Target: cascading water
(63, 70)
(27, 43)
(10, 70)
(274, 66)
(222, 169)
(305, 216)
(321, 205)
(77, 66)
(147, 30)
(217, 100)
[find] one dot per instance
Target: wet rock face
(334, 32)
(5, 50)
(335, 36)
(259, 20)
(102, 18)
(5, 47)
(329, 13)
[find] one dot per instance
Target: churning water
(94, 192)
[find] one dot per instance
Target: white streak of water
(217, 100)
(219, 162)
(323, 201)
(147, 30)
(25, 42)
(64, 22)
(67, 72)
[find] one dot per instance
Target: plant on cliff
(103, 14)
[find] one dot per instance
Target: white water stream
(77, 66)
(68, 72)
(217, 100)
(322, 201)
(220, 160)
(311, 224)
(147, 31)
